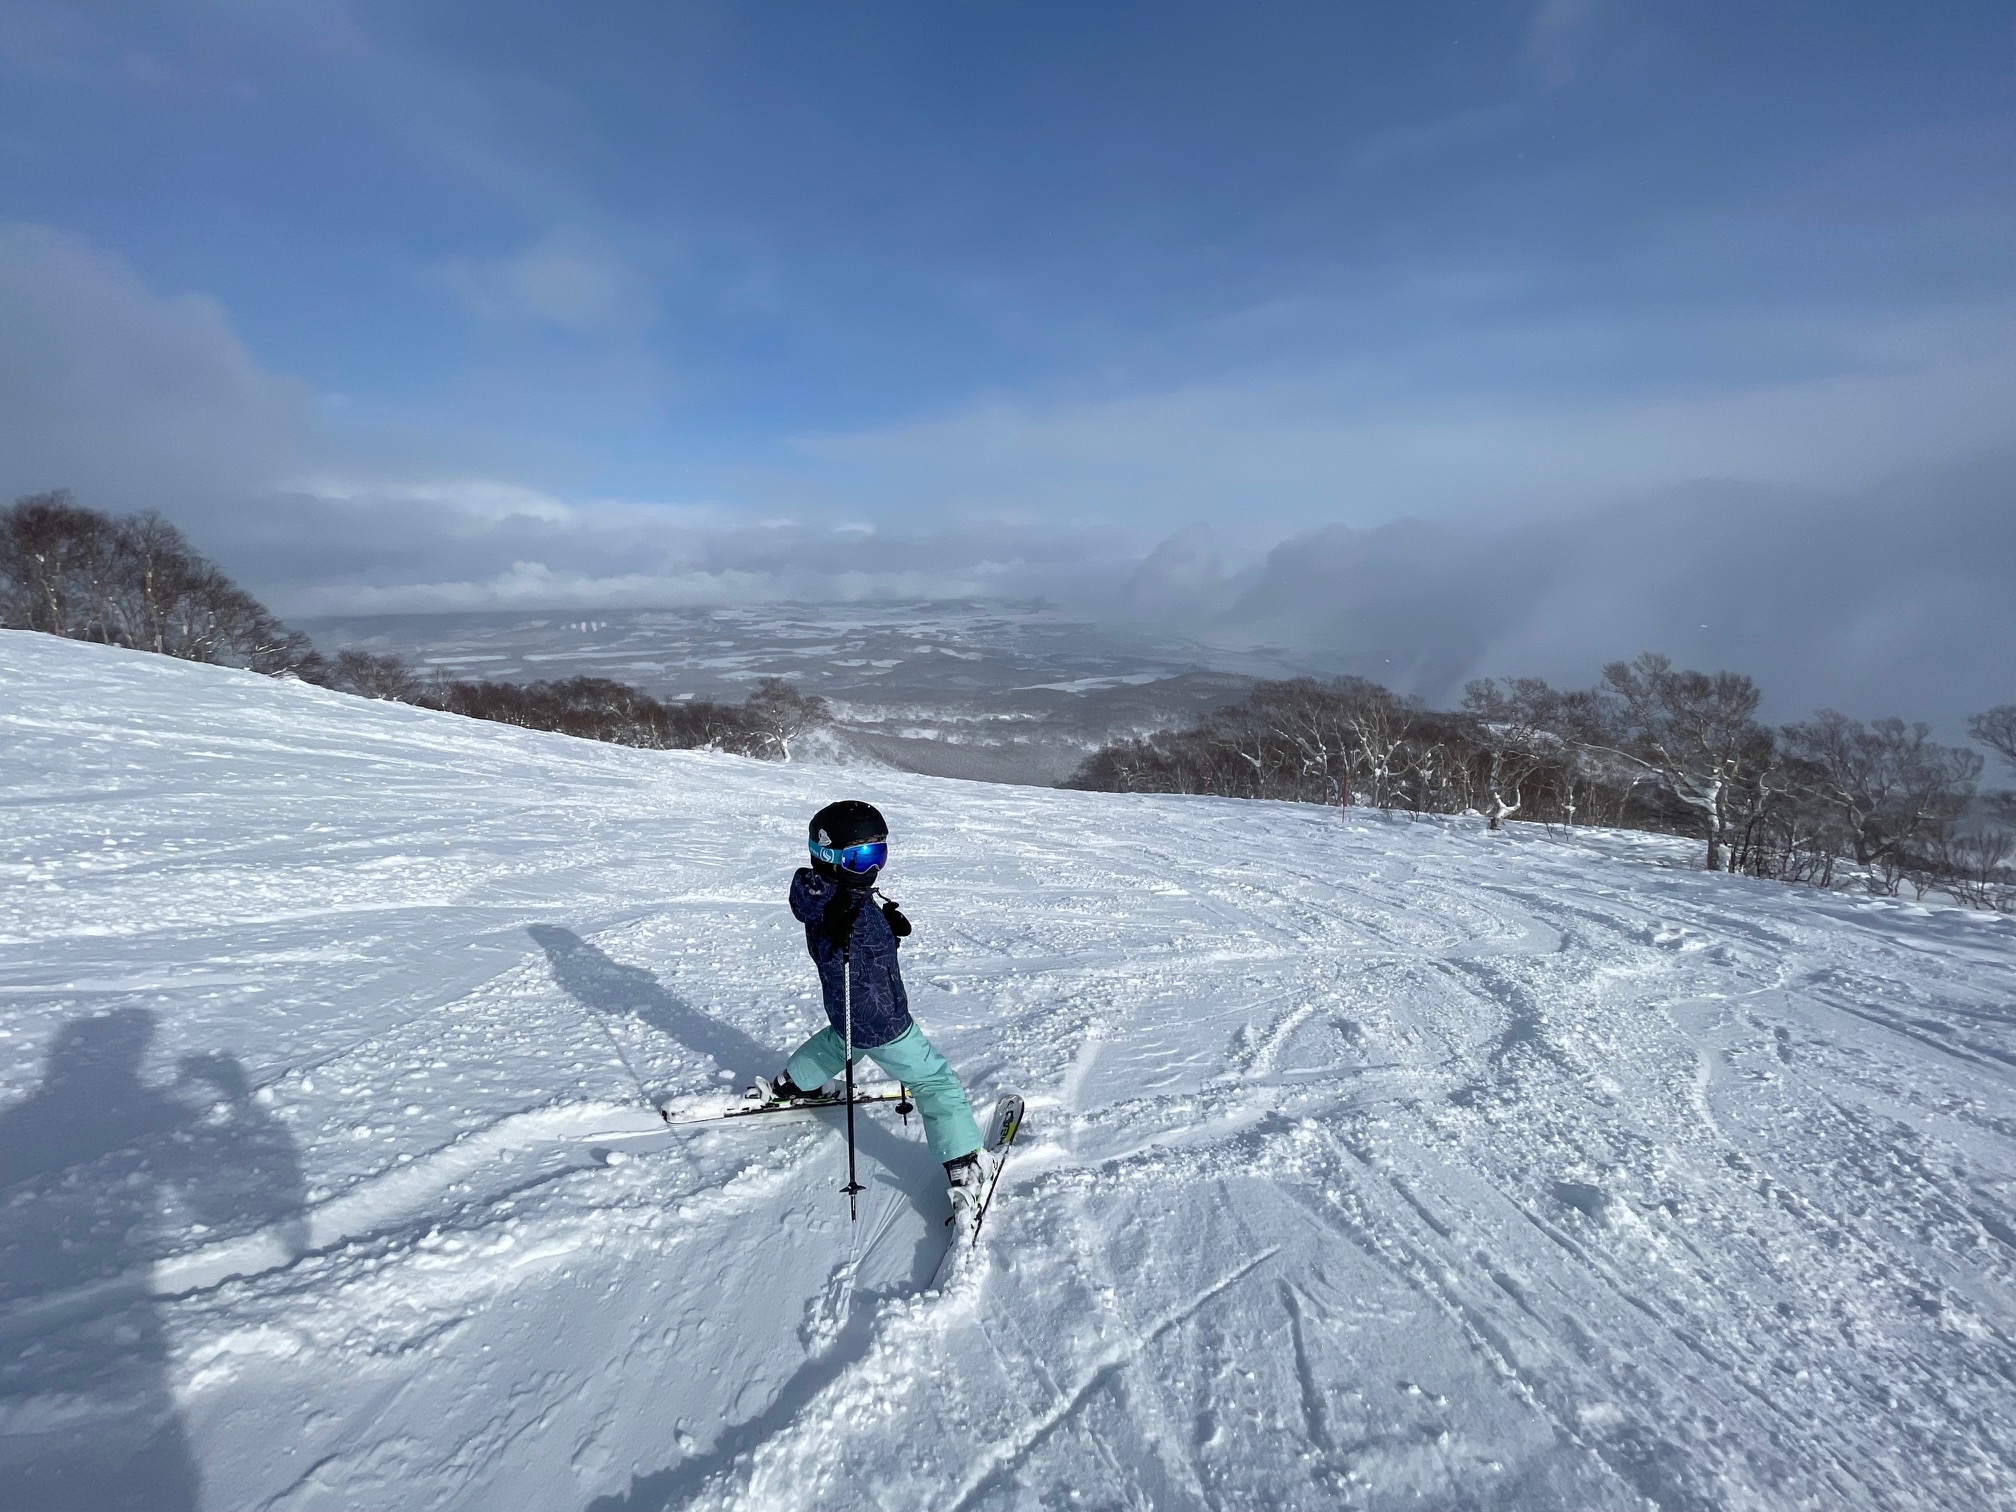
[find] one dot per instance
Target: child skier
(847, 938)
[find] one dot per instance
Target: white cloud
(564, 280)
(130, 398)
(138, 401)
(1889, 599)
(535, 586)
(1342, 443)
(474, 543)
(1557, 37)
(1408, 145)
(486, 499)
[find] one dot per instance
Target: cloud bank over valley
(1891, 598)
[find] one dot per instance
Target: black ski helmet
(839, 825)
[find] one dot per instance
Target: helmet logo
(824, 838)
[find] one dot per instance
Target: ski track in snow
(1378, 1165)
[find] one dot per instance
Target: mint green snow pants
(910, 1058)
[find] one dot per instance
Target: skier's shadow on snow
(596, 982)
(88, 1162)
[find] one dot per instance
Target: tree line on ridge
(135, 581)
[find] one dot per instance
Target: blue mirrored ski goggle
(865, 857)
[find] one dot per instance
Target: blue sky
(659, 293)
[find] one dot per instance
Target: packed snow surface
(1369, 1164)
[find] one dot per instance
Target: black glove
(898, 925)
(836, 925)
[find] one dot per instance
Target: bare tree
(779, 714)
(1697, 732)
(1311, 738)
(1518, 728)
(1236, 752)
(137, 582)
(1895, 789)
(158, 572)
(1380, 722)
(54, 559)
(1996, 729)
(1445, 768)
(368, 676)
(1786, 832)
(1974, 867)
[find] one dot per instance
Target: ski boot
(968, 1178)
(770, 1091)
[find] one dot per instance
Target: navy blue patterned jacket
(881, 1007)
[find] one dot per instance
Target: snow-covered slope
(1376, 1164)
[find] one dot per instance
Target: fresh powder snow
(1369, 1163)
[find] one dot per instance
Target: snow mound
(1375, 1164)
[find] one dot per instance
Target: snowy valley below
(1002, 691)
(1373, 1164)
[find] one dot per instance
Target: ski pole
(847, 997)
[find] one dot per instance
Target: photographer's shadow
(99, 1172)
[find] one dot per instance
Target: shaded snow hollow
(1370, 1165)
